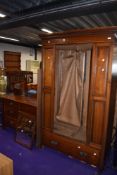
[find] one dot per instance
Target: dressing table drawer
(14, 104)
(10, 105)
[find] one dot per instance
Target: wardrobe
(75, 92)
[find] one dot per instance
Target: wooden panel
(47, 110)
(98, 122)
(12, 61)
(100, 70)
(48, 67)
(78, 37)
(12, 64)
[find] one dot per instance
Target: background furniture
(6, 165)
(17, 77)
(93, 148)
(15, 104)
(12, 61)
(26, 129)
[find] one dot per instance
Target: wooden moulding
(96, 35)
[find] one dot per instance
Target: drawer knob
(63, 39)
(102, 70)
(103, 60)
(78, 147)
(94, 154)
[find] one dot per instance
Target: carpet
(44, 161)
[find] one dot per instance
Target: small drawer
(81, 153)
(9, 122)
(88, 154)
(28, 109)
(9, 104)
(11, 113)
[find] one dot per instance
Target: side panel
(99, 97)
(48, 87)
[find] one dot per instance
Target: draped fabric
(71, 79)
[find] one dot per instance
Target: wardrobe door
(87, 131)
(47, 87)
(99, 96)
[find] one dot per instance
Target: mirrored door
(72, 76)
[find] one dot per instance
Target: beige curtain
(71, 80)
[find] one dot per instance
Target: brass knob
(94, 154)
(102, 69)
(64, 39)
(103, 60)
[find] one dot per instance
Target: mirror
(25, 130)
(72, 75)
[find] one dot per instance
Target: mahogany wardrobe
(75, 92)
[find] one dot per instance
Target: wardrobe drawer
(87, 154)
(72, 148)
(57, 142)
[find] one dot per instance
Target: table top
(21, 99)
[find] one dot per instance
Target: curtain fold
(71, 76)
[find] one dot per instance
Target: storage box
(6, 165)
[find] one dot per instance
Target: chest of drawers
(15, 104)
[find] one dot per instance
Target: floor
(44, 161)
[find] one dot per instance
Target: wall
(26, 54)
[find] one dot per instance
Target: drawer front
(10, 105)
(28, 109)
(10, 122)
(11, 113)
(87, 154)
(83, 152)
